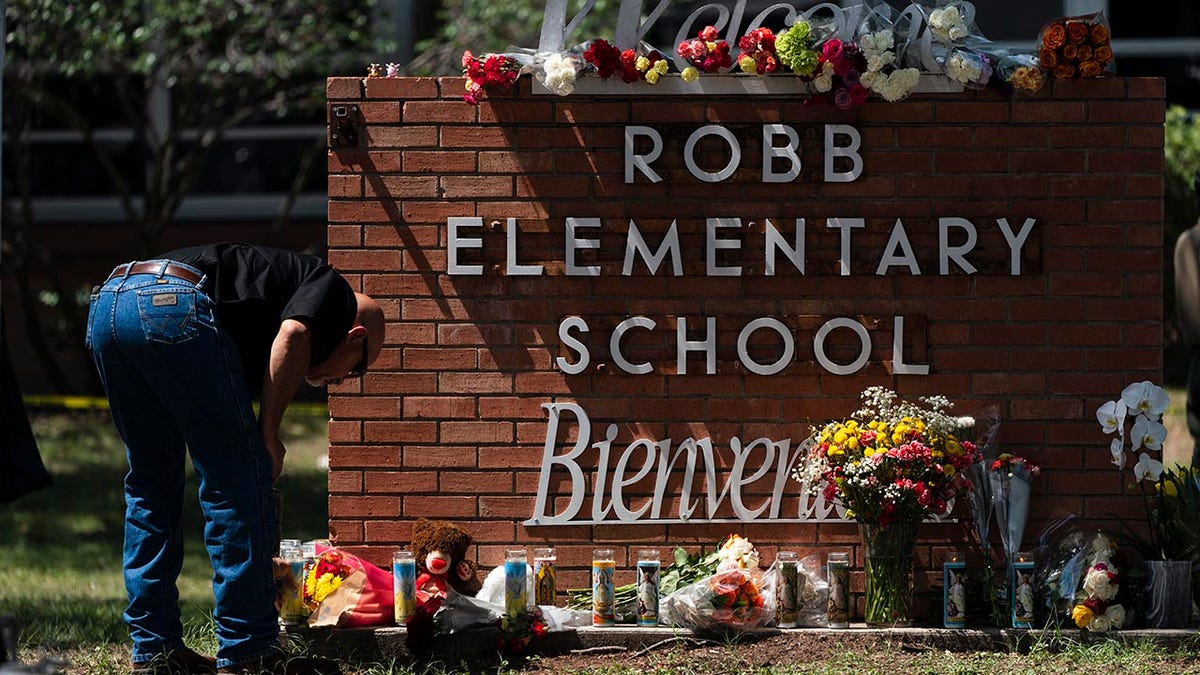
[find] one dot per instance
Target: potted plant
(1171, 545)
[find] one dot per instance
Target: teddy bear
(440, 549)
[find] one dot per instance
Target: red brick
(400, 482)
(1053, 112)
(422, 161)
(401, 136)
(350, 506)
(1145, 112)
(360, 212)
(346, 481)
(1100, 88)
(1125, 161)
(476, 137)
(341, 161)
(457, 506)
(378, 259)
(1147, 87)
(380, 112)
(476, 432)
(425, 112)
(972, 113)
(472, 187)
(344, 186)
(402, 187)
(343, 88)
(401, 87)
(400, 432)
(515, 112)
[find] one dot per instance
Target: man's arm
(285, 370)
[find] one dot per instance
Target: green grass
(63, 580)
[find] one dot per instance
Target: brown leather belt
(154, 267)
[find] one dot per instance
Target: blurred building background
(136, 126)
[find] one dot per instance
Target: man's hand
(277, 451)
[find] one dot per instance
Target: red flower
(605, 57)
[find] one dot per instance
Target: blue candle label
(954, 594)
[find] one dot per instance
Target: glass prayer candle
(516, 597)
(545, 575)
(648, 568)
(604, 565)
(404, 585)
(1021, 590)
(839, 590)
(788, 589)
(954, 594)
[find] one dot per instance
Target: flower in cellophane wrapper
(739, 596)
(1021, 72)
(341, 589)
(1076, 47)
(880, 48)
(495, 71)
(1012, 477)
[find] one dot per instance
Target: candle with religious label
(604, 564)
(788, 589)
(545, 575)
(1021, 590)
(954, 595)
(839, 590)
(404, 585)
(648, 568)
(292, 611)
(516, 597)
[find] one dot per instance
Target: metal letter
(851, 151)
(708, 345)
(569, 341)
(713, 244)
(899, 367)
(788, 152)
(946, 252)
(789, 346)
(735, 153)
(454, 243)
(642, 162)
(819, 346)
(614, 345)
(1015, 242)
(845, 225)
(899, 239)
(776, 242)
(512, 268)
(634, 243)
(574, 243)
(549, 459)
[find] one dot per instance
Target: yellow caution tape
(100, 403)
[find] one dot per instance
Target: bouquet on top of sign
(739, 596)
(1076, 47)
(842, 53)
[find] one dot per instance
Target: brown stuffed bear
(440, 548)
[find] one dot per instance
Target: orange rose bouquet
(1075, 47)
(740, 596)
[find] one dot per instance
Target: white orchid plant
(1139, 410)
(1145, 402)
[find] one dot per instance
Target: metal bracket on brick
(345, 126)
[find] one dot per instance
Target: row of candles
(791, 586)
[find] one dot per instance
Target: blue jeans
(174, 377)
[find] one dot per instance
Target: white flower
(869, 79)
(737, 553)
(963, 68)
(1097, 584)
(1115, 616)
(1111, 416)
(1147, 468)
(1099, 624)
(876, 62)
(947, 23)
(824, 81)
(560, 74)
(1146, 398)
(1147, 433)
(1117, 448)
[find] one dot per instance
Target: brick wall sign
(615, 317)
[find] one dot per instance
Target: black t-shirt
(255, 288)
